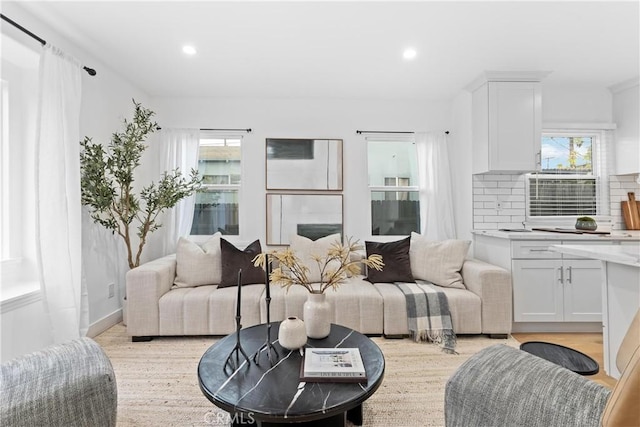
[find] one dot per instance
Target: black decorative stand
(267, 346)
(233, 363)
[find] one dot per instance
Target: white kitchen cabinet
(556, 290)
(551, 287)
(626, 115)
(506, 126)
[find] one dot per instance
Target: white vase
(317, 316)
(292, 334)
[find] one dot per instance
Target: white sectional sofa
(155, 307)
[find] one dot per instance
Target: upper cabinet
(506, 122)
(626, 115)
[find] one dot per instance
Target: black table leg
(335, 421)
(355, 415)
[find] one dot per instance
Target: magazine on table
(332, 365)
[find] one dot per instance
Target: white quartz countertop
(617, 235)
(627, 254)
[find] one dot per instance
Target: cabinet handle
(561, 279)
(539, 250)
(570, 273)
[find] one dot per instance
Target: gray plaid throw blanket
(428, 314)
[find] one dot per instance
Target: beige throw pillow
(304, 248)
(198, 265)
(438, 262)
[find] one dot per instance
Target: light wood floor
(589, 344)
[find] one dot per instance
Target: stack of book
(332, 365)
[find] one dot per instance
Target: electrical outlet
(112, 290)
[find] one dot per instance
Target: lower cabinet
(557, 290)
(547, 290)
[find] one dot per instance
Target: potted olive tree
(107, 176)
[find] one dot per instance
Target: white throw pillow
(438, 262)
(304, 248)
(198, 265)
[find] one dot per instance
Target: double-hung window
(19, 83)
(393, 184)
(217, 202)
(572, 177)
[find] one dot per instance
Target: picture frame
(309, 215)
(303, 164)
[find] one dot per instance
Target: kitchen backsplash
(499, 200)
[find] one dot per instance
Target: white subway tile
(487, 226)
(484, 212)
(498, 191)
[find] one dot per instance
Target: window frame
(598, 174)
(407, 189)
(208, 135)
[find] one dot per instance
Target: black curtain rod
(248, 130)
(42, 41)
(389, 131)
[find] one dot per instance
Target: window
(18, 117)
(570, 182)
(393, 183)
(217, 204)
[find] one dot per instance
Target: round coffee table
(273, 395)
(567, 357)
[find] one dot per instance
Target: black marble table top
(274, 393)
(567, 357)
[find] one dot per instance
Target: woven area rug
(158, 384)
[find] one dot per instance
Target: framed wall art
(304, 164)
(309, 215)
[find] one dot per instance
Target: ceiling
(335, 49)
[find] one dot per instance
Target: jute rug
(158, 384)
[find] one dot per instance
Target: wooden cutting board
(630, 212)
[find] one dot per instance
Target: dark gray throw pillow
(395, 255)
(233, 259)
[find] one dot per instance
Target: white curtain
(58, 206)
(436, 202)
(178, 149)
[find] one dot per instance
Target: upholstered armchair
(504, 386)
(71, 384)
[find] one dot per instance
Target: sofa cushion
(438, 262)
(234, 259)
(356, 304)
(395, 255)
(465, 308)
(198, 265)
(305, 249)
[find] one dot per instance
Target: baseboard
(105, 323)
(534, 327)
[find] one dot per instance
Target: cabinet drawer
(525, 249)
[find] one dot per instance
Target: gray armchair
(71, 384)
(504, 386)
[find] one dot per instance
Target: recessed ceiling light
(409, 53)
(189, 50)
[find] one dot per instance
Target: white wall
(303, 118)
(106, 99)
(460, 158)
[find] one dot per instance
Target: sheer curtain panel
(58, 206)
(178, 150)
(436, 203)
